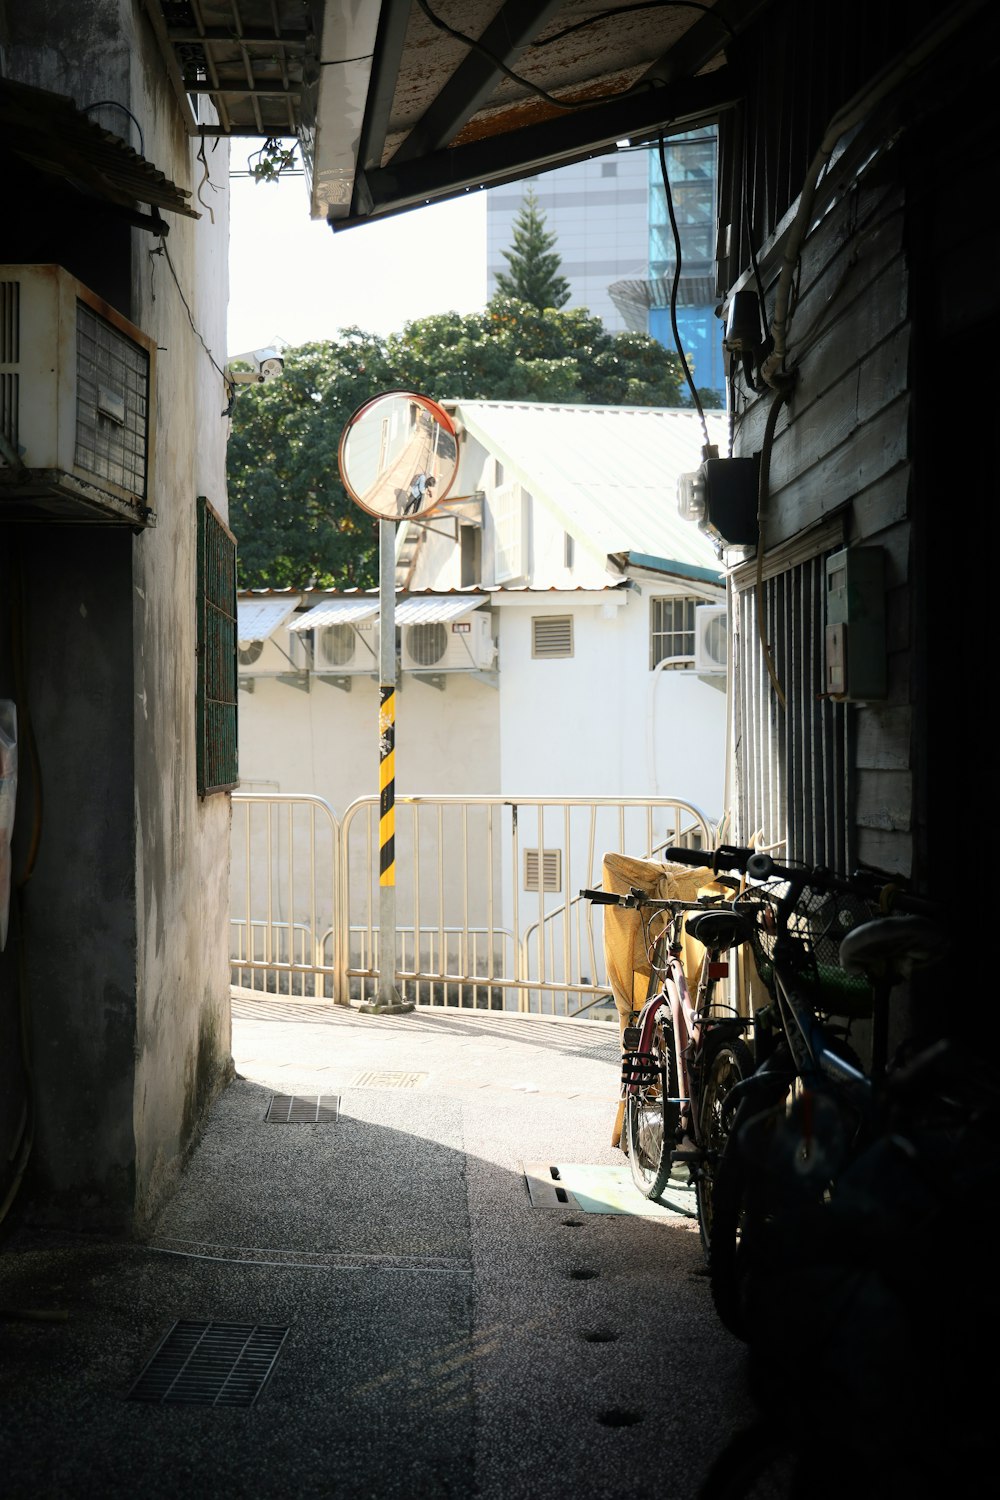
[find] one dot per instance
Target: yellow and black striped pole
(388, 998)
(387, 784)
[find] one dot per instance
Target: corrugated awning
(437, 610)
(336, 612)
(48, 132)
(258, 619)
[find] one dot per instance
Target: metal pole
(388, 1001)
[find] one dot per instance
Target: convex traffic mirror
(398, 455)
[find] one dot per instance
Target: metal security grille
(210, 1364)
(552, 635)
(217, 673)
(10, 354)
(671, 624)
(112, 403)
(794, 764)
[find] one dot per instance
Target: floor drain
(582, 1273)
(312, 1109)
(379, 1079)
(619, 1417)
(210, 1364)
(599, 1336)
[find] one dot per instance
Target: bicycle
(887, 1346)
(805, 1110)
(681, 1056)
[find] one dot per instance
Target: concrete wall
(125, 913)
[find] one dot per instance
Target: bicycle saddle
(895, 944)
(719, 928)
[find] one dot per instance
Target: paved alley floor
(445, 1336)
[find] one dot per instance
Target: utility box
(856, 668)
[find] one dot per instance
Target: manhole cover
(210, 1364)
(306, 1109)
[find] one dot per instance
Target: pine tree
(534, 266)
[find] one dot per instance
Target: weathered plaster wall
(126, 913)
(182, 871)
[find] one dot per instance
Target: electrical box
(856, 668)
(721, 498)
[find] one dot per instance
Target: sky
(293, 279)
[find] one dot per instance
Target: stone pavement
(445, 1336)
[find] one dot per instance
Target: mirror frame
(437, 412)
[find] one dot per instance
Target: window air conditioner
(449, 646)
(711, 639)
(343, 649)
(76, 403)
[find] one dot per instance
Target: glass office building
(614, 237)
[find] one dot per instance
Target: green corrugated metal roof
(609, 473)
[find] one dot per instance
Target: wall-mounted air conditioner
(711, 639)
(464, 645)
(76, 403)
(343, 649)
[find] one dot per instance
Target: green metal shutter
(218, 768)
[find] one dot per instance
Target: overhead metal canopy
(404, 102)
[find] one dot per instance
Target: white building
(556, 624)
(552, 629)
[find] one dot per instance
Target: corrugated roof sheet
(608, 473)
(428, 611)
(48, 131)
(336, 612)
(258, 619)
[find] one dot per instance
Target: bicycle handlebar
(878, 885)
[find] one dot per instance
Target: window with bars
(217, 765)
(551, 869)
(671, 627)
(794, 765)
(552, 635)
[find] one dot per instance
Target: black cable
(113, 104)
(604, 15)
(187, 309)
(673, 290)
(526, 83)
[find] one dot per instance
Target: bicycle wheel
(727, 1061)
(651, 1113)
(741, 1210)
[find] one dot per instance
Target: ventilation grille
(551, 870)
(427, 643)
(552, 635)
(112, 401)
(337, 644)
(250, 653)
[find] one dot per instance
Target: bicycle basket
(817, 923)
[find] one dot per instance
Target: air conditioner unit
(76, 403)
(711, 639)
(342, 649)
(464, 645)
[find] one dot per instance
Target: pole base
(393, 1008)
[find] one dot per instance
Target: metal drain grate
(311, 1109)
(381, 1080)
(210, 1364)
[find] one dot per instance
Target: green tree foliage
(295, 524)
(534, 275)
